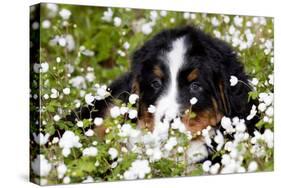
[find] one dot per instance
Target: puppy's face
(173, 68)
(169, 81)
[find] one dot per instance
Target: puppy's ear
(234, 99)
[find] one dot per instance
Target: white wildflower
(133, 98)
(227, 125)
(233, 80)
(126, 45)
(139, 169)
(192, 16)
(225, 159)
(253, 112)
(113, 153)
(70, 43)
(98, 121)
(172, 141)
(253, 166)
(54, 93)
(146, 28)
(66, 180)
(262, 107)
(151, 109)
(214, 169)
(219, 139)
(153, 15)
(77, 103)
(180, 149)
(206, 166)
(255, 81)
(95, 143)
(44, 67)
(125, 130)
(215, 22)
(89, 98)
(56, 117)
(114, 164)
(66, 91)
(65, 14)
(121, 53)
(89, 133)
(149, 152)
(61, 170)
(41, 166)
(89, 179)
(238, 21)
(90, 151)
(90, 77)
(115, 111)
(55, 140)
(78, 81)
(268, 138)
(271, 79)
(66, 151)
(156, 155)
(107, 15)
(97, 163)
(102, 92)
(226, 19)
(46, 24)
(52, 9)
(163, 13)
(133, 114)
(41, 139)
(186, 15)
(87, 52)
(80, 124)
(240, 127)
(269, 111)
(124, 110)
(193, 100)
(117, 21)
(68, 141)
(58, 59)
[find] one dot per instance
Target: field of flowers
(82, 49)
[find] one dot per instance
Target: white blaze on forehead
(167, 105)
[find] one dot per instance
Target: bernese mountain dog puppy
(172, 68)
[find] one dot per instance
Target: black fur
(214, 58)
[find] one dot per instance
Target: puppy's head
(180, 64)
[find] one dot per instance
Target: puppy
(172, 68)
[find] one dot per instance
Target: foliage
(82, 48)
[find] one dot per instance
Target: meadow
(82, 49)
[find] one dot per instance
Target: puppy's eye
(156, 84)
(195, 87)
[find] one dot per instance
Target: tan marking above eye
(193, 75)
(158, 72)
